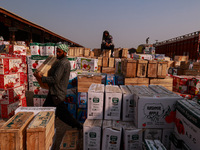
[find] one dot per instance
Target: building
(183, 45)
(16, 28)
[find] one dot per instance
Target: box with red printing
(11, 80)
(194, 86)
(8, 110)
(10, 65)
(22, 102)
(17, 50)
(188, 96)
(180, 84)
(12, 95)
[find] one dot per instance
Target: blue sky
(130, 22)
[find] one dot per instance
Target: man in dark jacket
(57, 80)
(107, 42)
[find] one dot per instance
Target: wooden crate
(196, 65)
(105, 61)
(129, 68)
(13, 132)
(111, 62)
(108, 70)
(106, 53)
(70, 140)
(81, 51)
(117, 52)
(152, 69)
(162, 69)
(136, 81)
(191, 72)
(76, 51)
(142, 68)
(100, 61)
(97, 52)
(167, 82)
(91, 54)
(181, 58)
(71, 51)
(87, 52)
(99, 69)
(184, 65)
(170, 64)
(124, 52)
(84, 82)
(40, 131)
(2, 122)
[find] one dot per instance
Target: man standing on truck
(57, 80)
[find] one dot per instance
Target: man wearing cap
(57, 80)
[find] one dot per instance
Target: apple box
(166, 137)
(38, 90)
(35, 49)
(22, 102)
(12, 95)
(153, 134)
(112, 133)
(42, 49)
(187, 124)
(17, 50)
(92, 134)
(127, 104)
(7, 110)
(154, 110)
(10, 65)
(113, 100)
(81, 115)
(95, 101)
(132, 136)
(73, 63)
(50, 49)
(89, 64)
(36, 101)
(10, 80)
(82, 99)
(72, 109)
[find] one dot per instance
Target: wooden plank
(136, 81)
(108, 70)
(12, 133)
(124, 52)
(161, 81)
(129, 67)
(117, 52)
(91, 54)
(162, 69)
(81, 51)
(2, 122)
(152, 69)
(111, 62)
(105, 61)
(181, 58)
(142, 68)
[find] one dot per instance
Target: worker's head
(62, 51)
(105, 33)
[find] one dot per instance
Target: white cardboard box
(188, 123)
(127, 104)
(132, 136)
(95, 101)
(165, 137)
(111, 135)
(92, 134)
(153, 134)
(154, 110)
(113, 100)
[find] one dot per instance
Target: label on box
(18, 50)
(35, 50)
(50, 50)
(10, 80)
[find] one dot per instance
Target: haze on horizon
(130, 22)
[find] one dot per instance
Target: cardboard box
(166, 137)
(17, 50)
(110, 79)
(42, 49)
(70, 140)
(35, 110)
(89, 64)
(81, 115)
(72, 109)
(153, 134)
(119, 80)
(36, 101)
(132, 137)
(127, 104)
(34, 47)
(175, 142)
(72, 80)
(7, 110)
(10, 65)
(50, 49)
(111, 135)
(37, 89)
(187, 123)
(118, 69)
(95, 101)
(104, 76)
(82, 99)
(73, 63)
(92, 134)
(10, 80)
(113, 101)
(158, 107)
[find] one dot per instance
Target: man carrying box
(57, 80)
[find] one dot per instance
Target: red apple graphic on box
(36, 91)
(17, 80)
(35, 64)
(38, 51)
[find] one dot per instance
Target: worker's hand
(37, 74)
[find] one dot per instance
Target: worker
(107, 42)
(57, 80)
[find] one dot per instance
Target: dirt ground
(61, 127)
